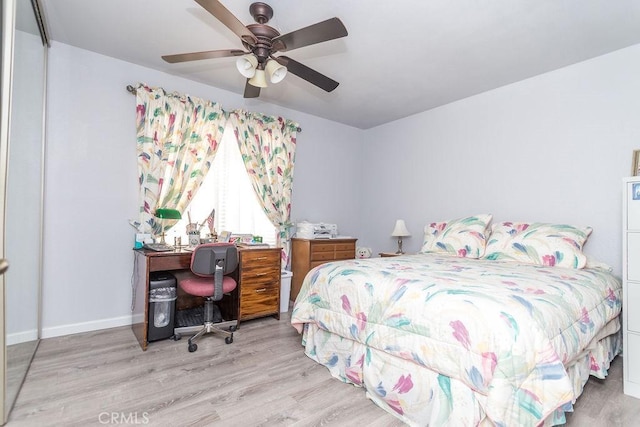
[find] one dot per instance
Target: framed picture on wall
(636, 191)
(635, 165)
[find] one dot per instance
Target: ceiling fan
(261, 42)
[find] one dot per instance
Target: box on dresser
(309, 253)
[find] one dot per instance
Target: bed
(502, 333)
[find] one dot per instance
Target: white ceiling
(400, 57)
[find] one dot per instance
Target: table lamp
(400, 231)
(164, 213)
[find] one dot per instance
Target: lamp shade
(259, 79)
(400, 230)
(168, 214)
(275, 71)
(246, 65)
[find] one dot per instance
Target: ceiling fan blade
(316, 33)
(308, 74)
(196, 56)
(251, 91)
(223, 15)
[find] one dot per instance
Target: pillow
(464, 237)
(592, 262)
(558, 245)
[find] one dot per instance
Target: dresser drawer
(332, 251)
(322, 256)
(633, 256)
(633, 300)
(631, 357)
(323, 247)
(348, 247)
(345, 255)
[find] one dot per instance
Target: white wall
(91, 182)
(552, 148)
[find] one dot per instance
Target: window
(227, 189)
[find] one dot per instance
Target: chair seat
(203, 286)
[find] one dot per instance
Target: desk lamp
(400, 231)
(163, 213)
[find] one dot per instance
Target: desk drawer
(259, 275)
(258, 258)
(162, 263)
(259, 299)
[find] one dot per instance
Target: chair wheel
(193, 347)
(229, 340)
(176, 337)
(233, 328)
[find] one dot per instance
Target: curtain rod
(132, 90)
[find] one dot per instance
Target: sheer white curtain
(227, 189)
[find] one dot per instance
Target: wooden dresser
(309, 253)
(259, 280)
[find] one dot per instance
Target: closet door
(24, 51)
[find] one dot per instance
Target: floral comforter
(505, 330)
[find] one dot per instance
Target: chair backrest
(207, 256)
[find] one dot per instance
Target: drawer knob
(261, 290)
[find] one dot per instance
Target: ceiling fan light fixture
(246, 65)
(259, 79)
(275, 71)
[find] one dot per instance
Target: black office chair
(210, 265)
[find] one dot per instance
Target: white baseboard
(75, 328)
(20, 337)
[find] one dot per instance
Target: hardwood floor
(262, 379)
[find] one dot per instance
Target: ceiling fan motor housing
(261, 13)
(263, 47)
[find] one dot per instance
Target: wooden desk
(256, 295)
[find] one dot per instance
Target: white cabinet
(631, 285)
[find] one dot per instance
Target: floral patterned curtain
(268, 147)
(177, 139)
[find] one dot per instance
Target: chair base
(208, 327)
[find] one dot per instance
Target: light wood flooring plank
(262, 379)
